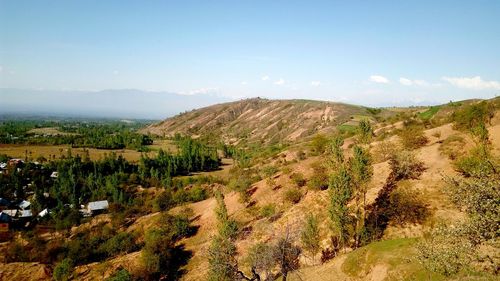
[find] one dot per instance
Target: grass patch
(397, 254)
(429, 113)
(346, 128)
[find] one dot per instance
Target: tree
(222, 251)
(362, 171)
(286, 255)
(340, 189)
(365, 131)
(310, 236)
(261, 260)
(222, 259)
(336, 152)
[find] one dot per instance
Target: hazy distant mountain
(107, 103)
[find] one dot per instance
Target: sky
(373, 53)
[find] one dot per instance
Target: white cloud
(279, 82)
(379, 79)
(265, 78)
(472, 83)
(1, 68)
(201, 91)
(408, 82)
(116, 72)
(315, 83)
(244, 83)
(405, 81)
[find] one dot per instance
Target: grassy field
(32, 152)
(48, 131)
(426, 115)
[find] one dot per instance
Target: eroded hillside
(261, 120)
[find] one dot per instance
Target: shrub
(406, 206)
(479, 162)
(319, 144)
(122, 242)
(301, 155)
(120, 275)
(163, 201)
(384, 151)
(319, 178)
(63, 270)
(298, 179)
(268, 211)
(453, 147)
(293, 195)
(404, 165)
(412, 137)
(365, 131)
(471, 116)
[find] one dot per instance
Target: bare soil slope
(260, 119)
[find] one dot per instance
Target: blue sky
(376, 53)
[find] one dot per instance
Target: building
(97, 207)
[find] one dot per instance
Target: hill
(260, 119)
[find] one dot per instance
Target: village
(18, 214)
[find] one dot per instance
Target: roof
(11, 213)
(4, 217)
(24, 204)
(43, 213)
(25, 214)
(4, 202)
(98, 205)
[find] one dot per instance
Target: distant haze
(106, 103)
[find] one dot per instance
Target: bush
(412, 137)
(384, 151)
(404, 165)
(406, 206)
(63, 270)
(319, 178)
(453, 147)
(268, 211)
(318, 144)
(293, 195)
(163, 201)
(121, 243)
(298, 179)
(471, 116)
(120, 275)
(479, 162)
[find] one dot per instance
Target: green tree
(340, 189)
(365, 131)
(310, 236)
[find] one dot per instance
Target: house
(24, 205)
(3, 165)
(54, 175)
(97, 206)
(11, 213)
(25, 214)
(43, 213)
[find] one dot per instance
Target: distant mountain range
(126, 103)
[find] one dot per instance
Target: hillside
(267, 212)
(261, 120)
